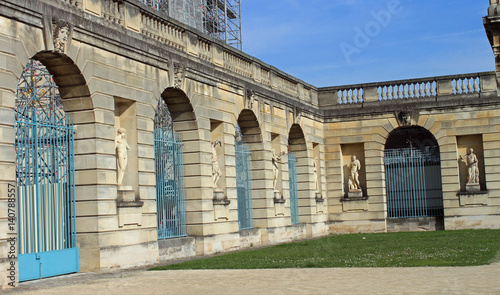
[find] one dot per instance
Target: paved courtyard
(423, 280)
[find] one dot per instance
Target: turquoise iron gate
(243, 182)
(45, 178)
(413, 183)
(294, 195)
(169, 173)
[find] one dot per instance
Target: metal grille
(44, 165)
(413, 183)
(294, 196)
(169, 173)
(243, 182)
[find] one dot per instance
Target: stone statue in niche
(315, 170)
(216, 172)
(276, 162)
(473, 169)
(61, 31)
(122, 148)
(354, 166)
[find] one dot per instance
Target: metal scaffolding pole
(220, 19)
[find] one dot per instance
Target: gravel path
(422, 280)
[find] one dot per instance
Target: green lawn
(438, 248)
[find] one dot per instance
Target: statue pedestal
(279, 204)
(320, 203)
(129, 210)
(355, 193)
(126, 193)
(472, 188)
(219, 198)
(221, 209)
(278, 199)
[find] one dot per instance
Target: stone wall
(120, 58)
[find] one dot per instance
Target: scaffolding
(220, 19)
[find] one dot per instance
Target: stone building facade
(116, 62)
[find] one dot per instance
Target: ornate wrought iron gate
(169, 173)
(45, 178)
(413, 183)
(294, 195)
(243, 182)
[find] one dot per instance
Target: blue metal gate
(169, 173)
(413, 183)
(243, 182)
(294, 195)
(45, 178)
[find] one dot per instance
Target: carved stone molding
(250, 99)
(404, 118)
(297, 115)
(61, 34)
(179, 75)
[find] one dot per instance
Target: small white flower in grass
(364, 238)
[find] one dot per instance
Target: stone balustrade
(140, 17)
(410, 89)
(147, 20)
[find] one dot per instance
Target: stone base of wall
(176, 248)
(119, 257)
(415, 224)
(357, 226)
(472, 222)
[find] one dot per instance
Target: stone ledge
(351, 199)
(279, 201)
(461, 193)
(129, 204)
(224, 202)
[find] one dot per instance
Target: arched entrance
(243, 180)
(249, 154)
(176, 141)
(297, 160)
(44, 177)
(413, 174)
(169, 175)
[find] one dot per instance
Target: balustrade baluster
(116, 13)
(421, 90)
(394, 92)
(359, 95)
(106, 11)
(411, 89)
(464, 86)
(427, 91)
(400, 93)
(476, 86)
(470, 85)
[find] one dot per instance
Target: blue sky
(338, 42)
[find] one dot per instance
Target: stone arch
(413, 176)
(185, 124)
(76, 101)
(305, 174)
(252, 136)
(70, 80)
